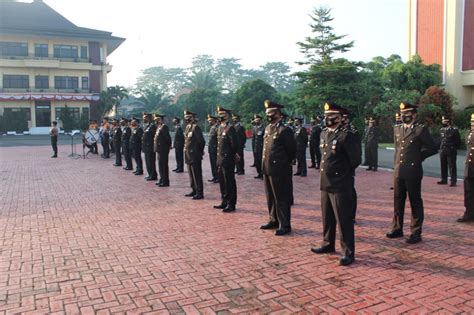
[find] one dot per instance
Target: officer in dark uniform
(398, 121)
(147, 146)
(301, 138)
(111, 138)
(194, 144)
(413, 144)
(212, 147)
(279, 150)
(178, 145)
(341, 150)
(227, 156)
(314, 141)
(162, 146)
(117, 140)
(349, 127)
(136, 144)
(105, 138)
(126, 147)
(372, 145)
(364, 140)
(469, 177)
(241, 139)
(448, 150)
(258, 131)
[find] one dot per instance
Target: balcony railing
(32, 90)
(49, 57)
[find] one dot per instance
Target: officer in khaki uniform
(413, 144)
(372, 145)
(194, 144)
(341, 154)
(227, 157)
(469, 177)
(448, 150)
(279, 150)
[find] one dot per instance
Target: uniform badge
(334, 142)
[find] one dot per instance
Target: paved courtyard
(82, 236)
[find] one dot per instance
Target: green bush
(14, 121)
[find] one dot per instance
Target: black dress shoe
(453, 184)
(281, 232)
(269, 226)
(221, 206)
(138, 173)
(323, 249)
(394, 234)
(258, 177)
(228, 209)
(312, 166)
(303, 175)
(297, 174)
(164, 185)
(253, 165)
(215, 181)
(198, 197)
(317, 167)
(211, 180)
(442, 182)
(191, 194)
(413, 239)
(54, 156)
(151, 179)
(179, 171)
(346, 260)
(241, 173)
(174, 170)
(465, 219)
(368, 169)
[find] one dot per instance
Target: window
(65, 51)
(85, 113)
(41, 50)
(68, 83)
(16, 81)
(85, 83)
(27, 111)
(67, 112)
(42, 82)
(13, 49)
(84, 52)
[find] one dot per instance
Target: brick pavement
(80, 236)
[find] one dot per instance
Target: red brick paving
(81, 236)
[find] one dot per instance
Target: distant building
(48, 63)
(442, 32)
(129, 107)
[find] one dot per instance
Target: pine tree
(322, 47)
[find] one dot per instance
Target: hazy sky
(170, 32)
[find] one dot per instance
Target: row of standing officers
(275, 149)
